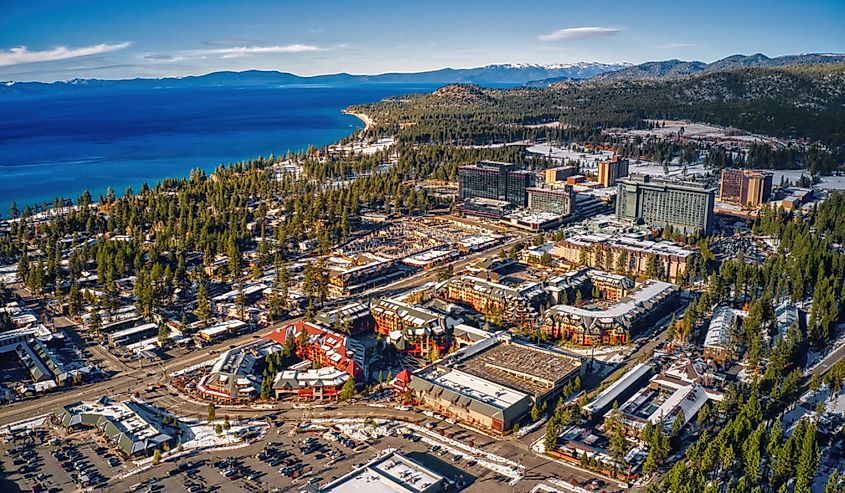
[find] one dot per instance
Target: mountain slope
(490, 74)
(679, 68)
(802, 101)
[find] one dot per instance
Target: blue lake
(61, 145)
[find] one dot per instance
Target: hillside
(679, 68)
(803, 101)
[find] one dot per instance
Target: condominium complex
(494, 180)
(614, 324)
(718, 344)
(324, 347)
(514, 304)
(686, 207)
(613, 170)
(624, 253)
(745, 187)
(410, 328)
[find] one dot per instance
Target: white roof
(719, 332)
(390, 473)
(481, 389)
(612, 393)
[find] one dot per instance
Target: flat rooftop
(478, 388)
(528, 369)
(390, 473)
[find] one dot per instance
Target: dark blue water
(61, 145)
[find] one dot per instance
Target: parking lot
(46, 463)
(286, 461)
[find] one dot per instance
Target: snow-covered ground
(587, 160)
(364, 147)
(27, 424)
(698, 131)
(361, 430)
(675, 171)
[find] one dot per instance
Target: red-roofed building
(324, 346)
(400, 383)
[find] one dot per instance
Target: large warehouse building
(493, 384)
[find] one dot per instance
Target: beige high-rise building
(610, 171)
(745, 187)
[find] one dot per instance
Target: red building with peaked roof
(324, 346)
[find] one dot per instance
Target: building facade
(613, 170)
(551, 200)
(512, 304)
(745, 187)
(410, 328)
(494, 180)
(625, 254)
(686, 207)
(616, 323)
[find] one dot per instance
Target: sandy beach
(368, 122)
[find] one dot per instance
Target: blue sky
(57, 40)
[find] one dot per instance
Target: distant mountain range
(515, 74)
(679, 68)
(532, 75)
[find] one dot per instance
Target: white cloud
(672, 46)
(575, 33)
(21, 54)
(253, 50)
(231, 52)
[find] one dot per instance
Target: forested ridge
(804, 102)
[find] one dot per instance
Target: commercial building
(353, 274)
(133, 334)
(679, 389)
(620, 390)
(220, 331)
(533, 221)
(352, 318)
(718, 344)
(559, 173)
(494, 180)
(613, 170)
(321, 383)
(390, 472)
(552, 200)
(236, 374)
(514, 304)
(430, 258)
(686, 207)
(624, 253)
(614, 324)
(484, 207)
(408, 327)
(467, 335)
(136, 429)
(745, 187)
(493, 384)
(324, 347)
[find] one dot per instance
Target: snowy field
(587, 160)
(699, 131)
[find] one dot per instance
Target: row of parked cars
(81, 471)
(29, 465)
